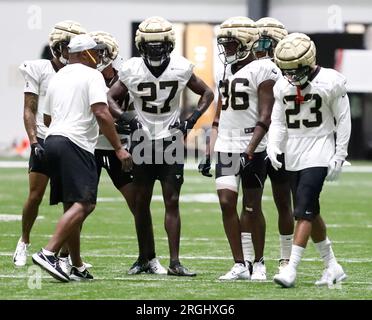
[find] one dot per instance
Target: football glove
(245, 161)
(122, 128)
(334, 169)
(38, 151)
(272, 153)
(205, 166)
(185, 125)
(123, 124)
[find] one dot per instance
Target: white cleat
(20, 254)
(282, 264)
(238, 271)
(65, 265)
(156, 268)
(287, 277)
(331, 275)
(259, 271)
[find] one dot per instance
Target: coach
(76, 108)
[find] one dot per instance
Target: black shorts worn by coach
(73, 173)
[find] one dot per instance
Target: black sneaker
(77, 275)
(51, 265)
(180, 270)
(138, 267)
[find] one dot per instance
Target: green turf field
(109, 243)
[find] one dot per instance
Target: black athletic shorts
(73, 172)
(36, 165)
(108, 160)
(306, 185)
(160, 162)
(279, 176)
(254, 174)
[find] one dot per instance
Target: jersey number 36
(244, 97)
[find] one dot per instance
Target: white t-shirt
(71, 93)
(156, 100)
(37, 74)
(309, 126)
(240, 112)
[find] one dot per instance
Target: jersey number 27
(148, 107)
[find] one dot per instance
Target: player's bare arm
(205, 165)
(199, 87)
(115, 96)
(29, 115)
(265, 105)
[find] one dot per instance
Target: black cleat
(180, 271)
(51, 265)
(77, 275)
(138, 267)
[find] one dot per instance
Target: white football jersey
(240, 112)
(156, 100)
(37, 74)
(310, 124)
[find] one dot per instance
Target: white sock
(285, 246)
(296, 256)
(81, 269)
(47, 252)
(326, 253)
(247, 246)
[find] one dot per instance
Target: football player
(239, 131)
(271, 32)
(37, 74)
(311, 125)
(105, 154)
(156, 81)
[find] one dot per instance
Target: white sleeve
(189, 72)
(341, 112)
(31, 74)
(267, 72)
(124, 73)
(46, 109)
(278, 128)
(97, 89)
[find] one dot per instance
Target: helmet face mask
(231, 50)
(297, 77)
(109, 54)
(155, 53)
(104, 59)
(59, 49)
(264, 47)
